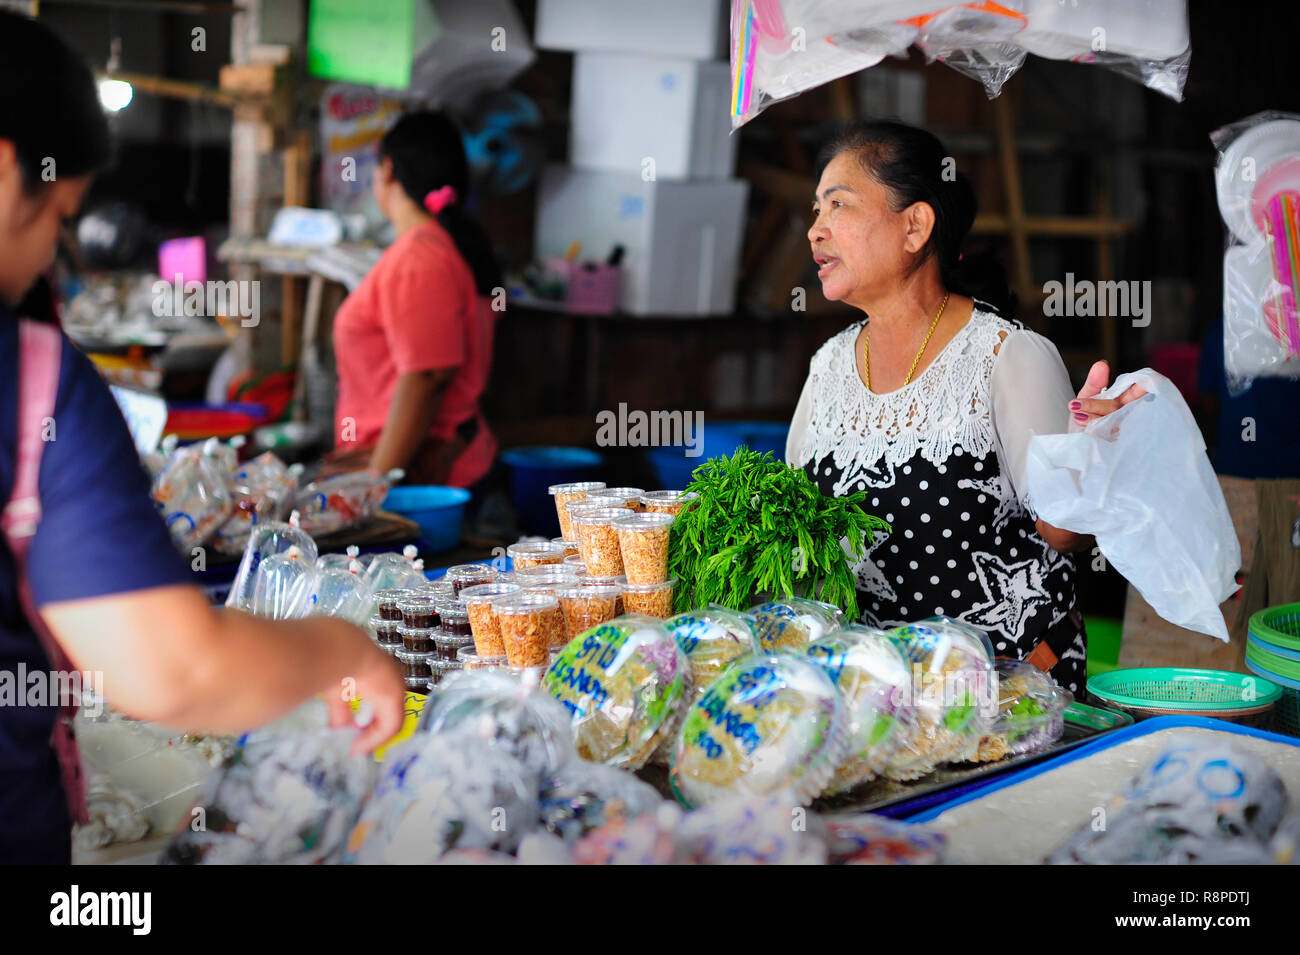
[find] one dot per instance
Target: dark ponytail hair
(49, 104)
(913, 165)
(427, 153)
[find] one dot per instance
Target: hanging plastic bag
(340, 593)
(1140, 481)
(1257, 179)
(284, 585)
(193, 493)
(266, 540)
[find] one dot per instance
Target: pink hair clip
(439, 199)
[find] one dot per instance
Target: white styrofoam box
(628, 108)
(695, 29)
(1146, 29)
(682, 239)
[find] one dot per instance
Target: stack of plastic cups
(564, 494)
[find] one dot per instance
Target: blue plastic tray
(1113, 738)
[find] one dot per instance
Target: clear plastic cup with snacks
(570, 546)
(667, 502)
(386, 603)
(545, 579)
(471, 659)
(535, 553)
(598, 540)
(417, 639)
(447, 646)
(653, 600)
(469, 575)
(387, 632)
(589, 606)
(564, 494)
(531, 624)
(643, 543)
(483, 622)
(629, 497)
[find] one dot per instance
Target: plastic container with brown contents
(629, 497)
(643, 542)
(570, 546)
(667, 502)
(447, 646)
(586, 580)
(441, 588)
(417, 639)
(419, 610)
(531, 624)
(589, 606)
(470, 659)
(653, 600)
(469, 575)
(386, 603)
(414, 665)
(454, 617)
(386, 631)
(546, 579)
(418, 684)
(564, 493)
(483, 622)
(598, 540)
(535, 554)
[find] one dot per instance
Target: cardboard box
(633, 113)
(682, 239)
(694, 29)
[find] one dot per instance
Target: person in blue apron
(89, 580)
(927, 405)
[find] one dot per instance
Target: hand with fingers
(378, 683)
(1087, 406)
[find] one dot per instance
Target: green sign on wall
(372, 42)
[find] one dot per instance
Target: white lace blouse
(942, 459)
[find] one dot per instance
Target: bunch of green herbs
(760, 527)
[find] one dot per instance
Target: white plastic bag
(1139, 480)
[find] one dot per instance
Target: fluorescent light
(115, 95)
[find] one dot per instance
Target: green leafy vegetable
(760, 526)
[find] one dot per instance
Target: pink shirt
(416, 310)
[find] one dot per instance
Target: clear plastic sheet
(1198, 802)
(278, 800)
(1257, 179)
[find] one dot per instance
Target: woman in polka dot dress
(928, 406)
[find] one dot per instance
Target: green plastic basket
(1279, 626)
(1163, 691)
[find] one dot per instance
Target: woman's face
(29, 225)
(862, 247)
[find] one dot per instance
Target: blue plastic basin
(719, 439)
(534, 469)
(438, 510)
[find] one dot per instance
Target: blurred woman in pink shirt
(413, 342)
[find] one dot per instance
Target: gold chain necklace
(866, 345)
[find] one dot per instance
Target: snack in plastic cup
(1031, 711)
(417, 639)
(535, 553)
(386, 602)
(570, 546)
(454, 618)
(563, 494)
(629, 497)
(414, 665)
(793, 623)
(447, 646)
(643, 543)
(574, 561)
(769, 725)
(667, 502)
(598, 540)
(875, 681)
(483, 622)
(469, 575)
(588, 606)
(586, 580)
(623, 683)
(387, 632)
(530, 625)
(545, 579)
(653, 600)
(419, 610)
(470, 659)
(712, 638)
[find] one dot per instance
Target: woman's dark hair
(913, 165)
(49, 103)
(427, 153)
